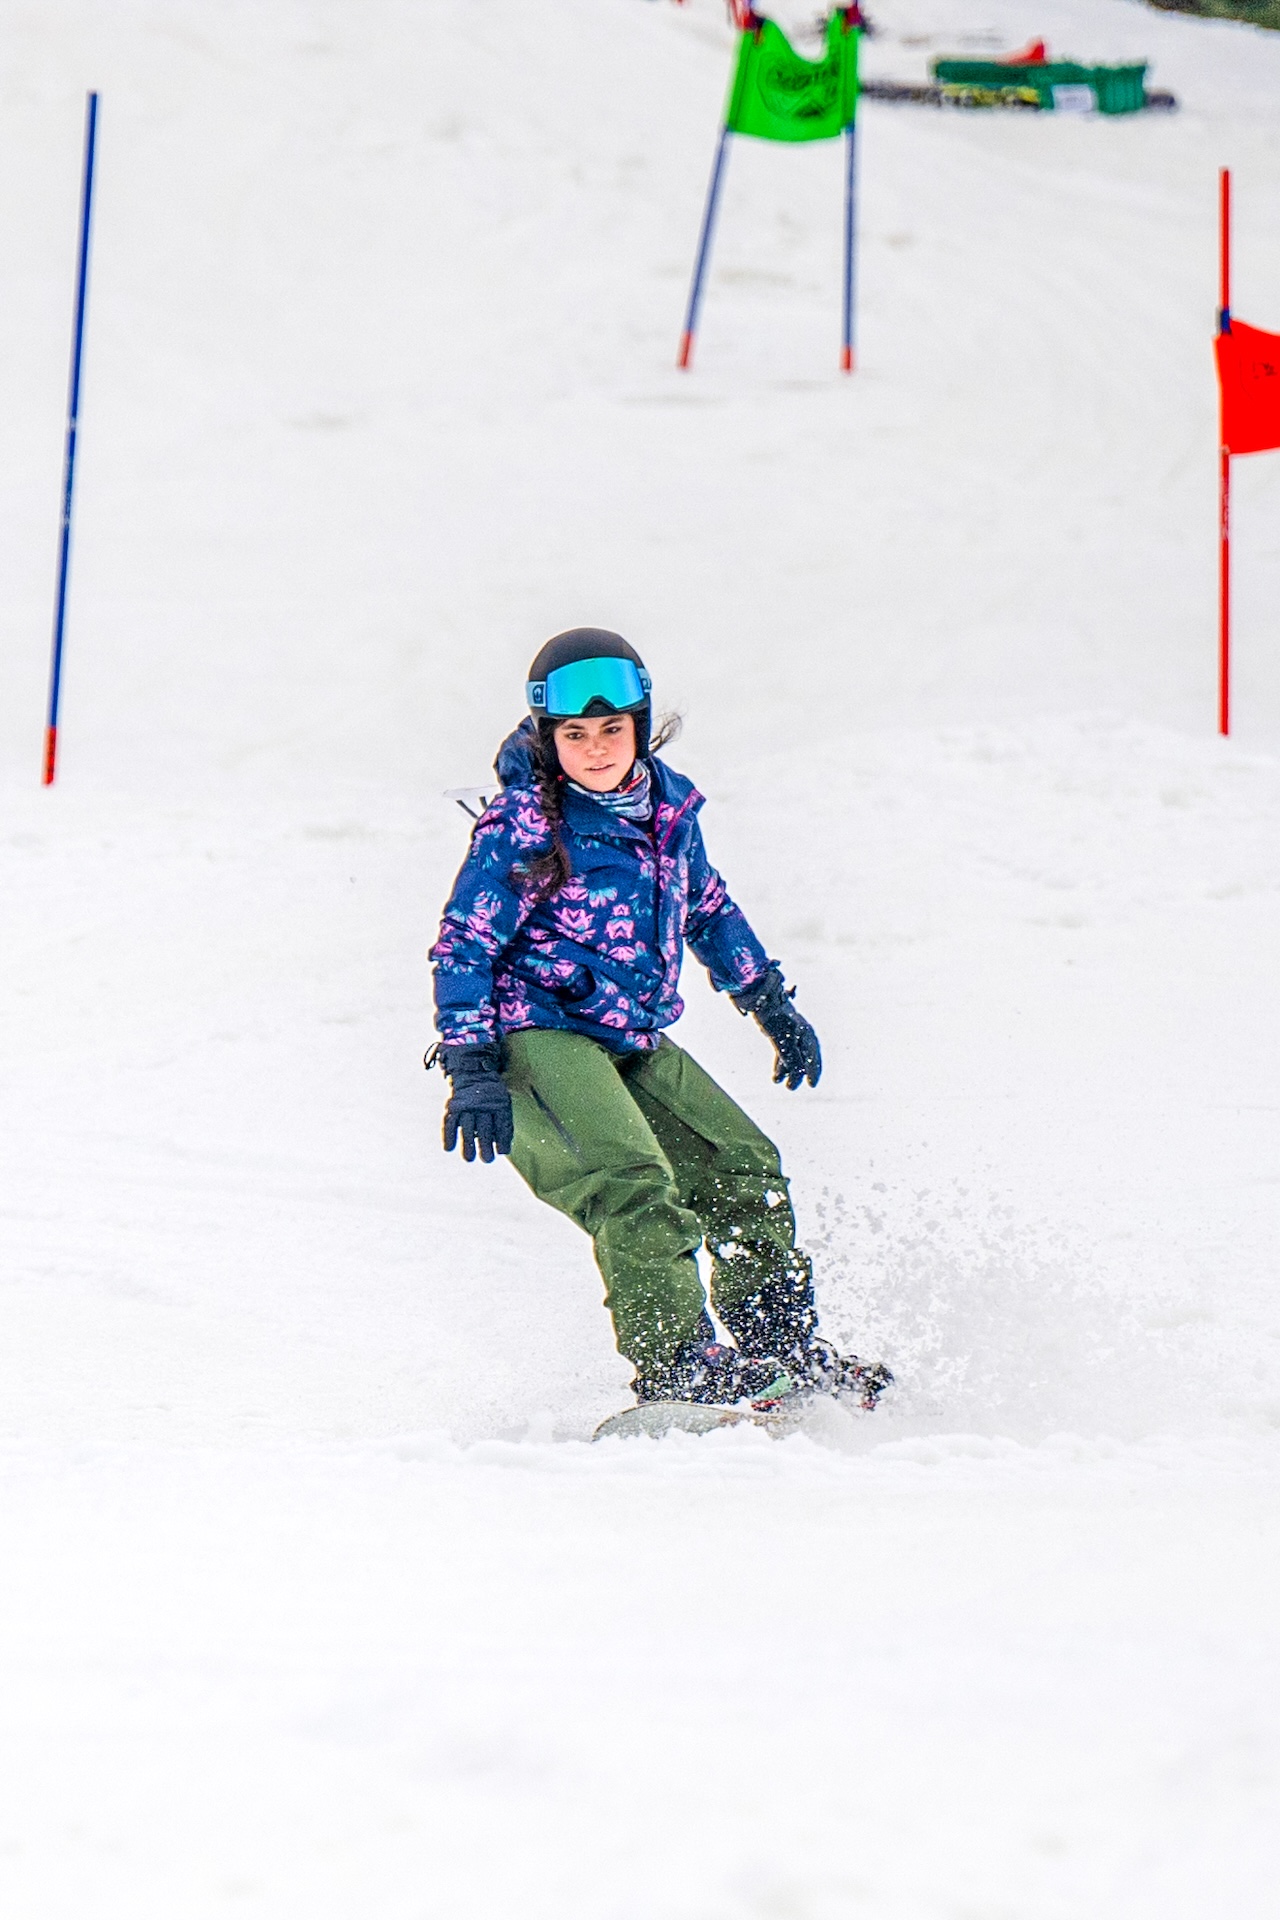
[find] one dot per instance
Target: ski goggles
(569, 691)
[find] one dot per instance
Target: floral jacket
(601, 956)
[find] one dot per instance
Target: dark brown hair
(553, 869)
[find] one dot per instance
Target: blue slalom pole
(848, 334)
(69, 458)
(704, 249)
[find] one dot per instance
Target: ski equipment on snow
(821, 1375)
(654, 1418)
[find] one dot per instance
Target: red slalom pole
(1224, 468)
(1224, 594)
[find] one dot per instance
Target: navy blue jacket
(602, 955)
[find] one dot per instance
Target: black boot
(780, 1319)
(779, 1316)
(817, 1367)
(714, 1375)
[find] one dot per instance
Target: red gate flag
(1249, 379)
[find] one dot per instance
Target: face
(599, 753)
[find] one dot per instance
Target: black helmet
(587, 672)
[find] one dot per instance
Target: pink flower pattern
(603, 954)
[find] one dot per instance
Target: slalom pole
(1224, 593)
(685, 356)
(1224, 469)
(69, 457)
(848, 329)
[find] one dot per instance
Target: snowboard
(791, 1414)
(656, 1417)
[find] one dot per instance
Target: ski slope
(315, 1602)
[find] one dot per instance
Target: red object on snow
(1033, 56)
(1249, 372)
(1249, 395)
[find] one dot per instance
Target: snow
(315, 1599)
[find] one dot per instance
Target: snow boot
(817, 1367)
(714, 1375)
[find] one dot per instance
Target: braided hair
(552, 869)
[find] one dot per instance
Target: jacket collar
(675, 797)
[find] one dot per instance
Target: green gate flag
(779, 95)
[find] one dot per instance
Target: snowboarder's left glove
(799, 1055)
(479, 1107)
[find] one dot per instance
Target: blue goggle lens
(570, 690)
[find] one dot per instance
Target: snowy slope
(315, 1603)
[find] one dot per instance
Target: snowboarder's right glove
(479, 1107)
(799, 1055)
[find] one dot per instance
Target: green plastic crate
(1116, 89)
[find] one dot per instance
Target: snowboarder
(556, 972)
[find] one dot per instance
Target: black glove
(799, 1055)
(479, 1107)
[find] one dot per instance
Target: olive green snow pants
(650, 1157)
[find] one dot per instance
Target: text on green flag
(779, 95)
